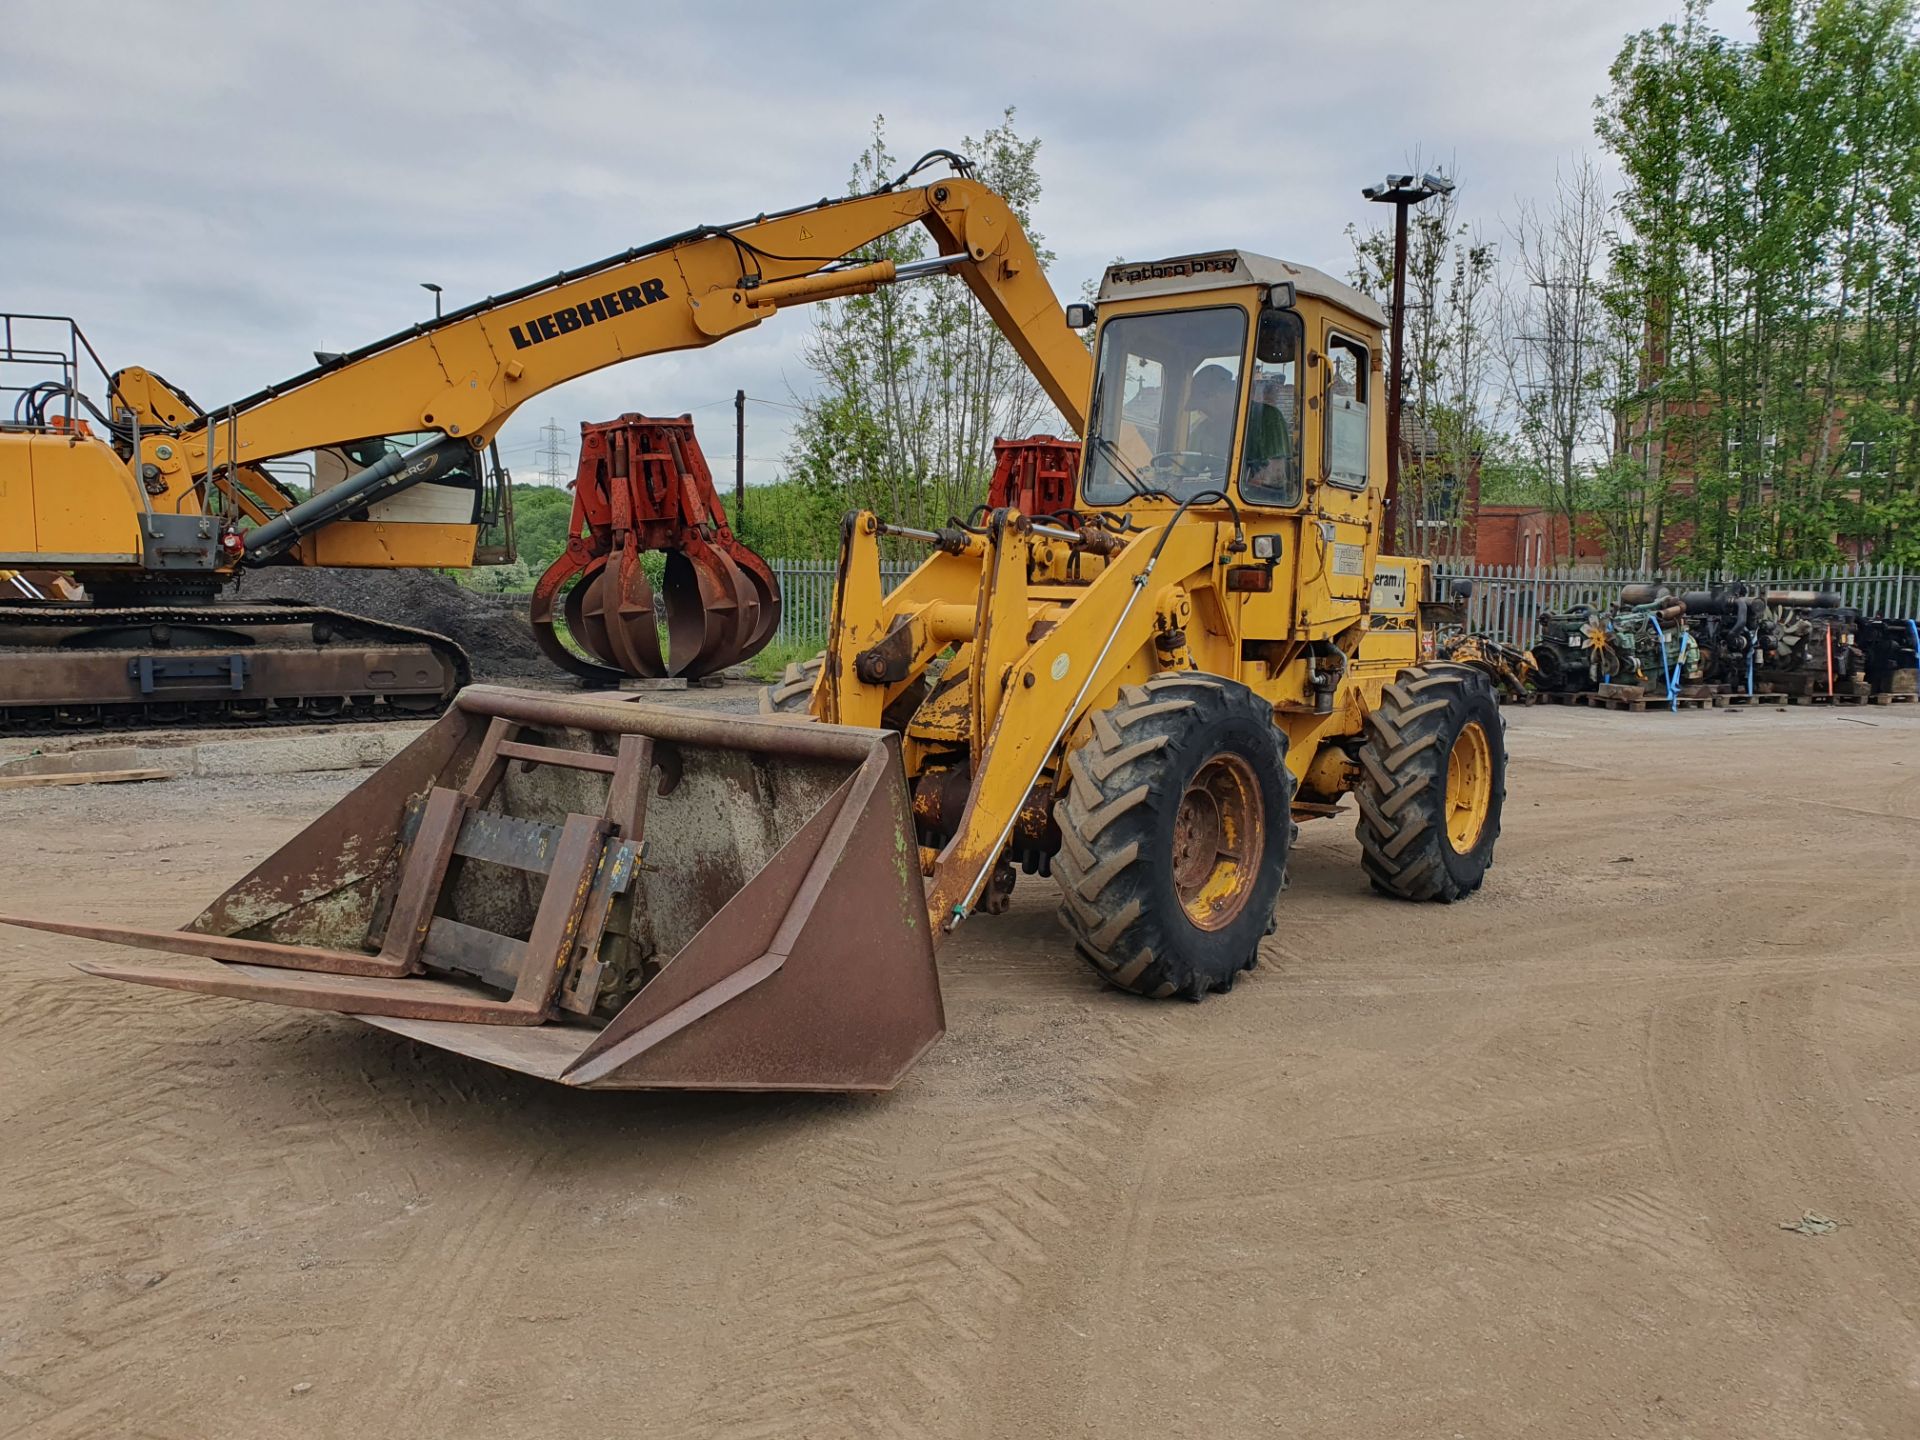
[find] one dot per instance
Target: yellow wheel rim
(1469, 787)
(1218, 837)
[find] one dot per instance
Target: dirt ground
(1519, 1166)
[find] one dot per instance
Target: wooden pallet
(1763, 698)
(1638, 703)
(1894, 698)
(1828, 699)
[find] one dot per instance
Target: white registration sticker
(1348, 560)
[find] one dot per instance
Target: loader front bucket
(599, 893)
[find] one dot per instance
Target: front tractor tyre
(1433, 777)
(792, 694)
(1174, 833)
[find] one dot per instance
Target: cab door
(1335, 537)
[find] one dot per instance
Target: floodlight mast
(1401, 192)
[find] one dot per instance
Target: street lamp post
(429, 285)
(1401, 192)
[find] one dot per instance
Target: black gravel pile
(492, 629)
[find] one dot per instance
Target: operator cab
(1198, 384)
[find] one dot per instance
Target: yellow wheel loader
(1137, 694)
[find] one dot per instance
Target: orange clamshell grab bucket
(643, 485)
(600, 893)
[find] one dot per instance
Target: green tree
(540, 517)
(1767, 268)
(914, 382)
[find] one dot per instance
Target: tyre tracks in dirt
(1510, 1166)
(939, 1228)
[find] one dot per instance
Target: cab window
(1270, 457)
(1349, 386)
(1166, 402)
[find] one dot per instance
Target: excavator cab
(472, 489)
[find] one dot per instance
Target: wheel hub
(1469, 787)
(1217, 840)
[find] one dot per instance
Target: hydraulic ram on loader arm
(1028, 693)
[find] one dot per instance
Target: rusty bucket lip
(800, 736)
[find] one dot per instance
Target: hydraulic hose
(1671, 676)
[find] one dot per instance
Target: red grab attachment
(644, 485)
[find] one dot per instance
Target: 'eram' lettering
(565, 321)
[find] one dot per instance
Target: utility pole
(1402, 192)
(739, 458)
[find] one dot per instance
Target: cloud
(220, 194)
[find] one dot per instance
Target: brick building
(1531, 536)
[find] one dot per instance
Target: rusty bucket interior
(601, 893)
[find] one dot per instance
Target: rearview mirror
(1273, 342)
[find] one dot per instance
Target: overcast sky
(215, 190)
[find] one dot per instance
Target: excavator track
(66, 667)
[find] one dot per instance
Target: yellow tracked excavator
(154, 504)
(1133, 672)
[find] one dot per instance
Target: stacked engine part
(1814, 649)
(1512, 670)
(1735, 630)
(1649, 643)
(643, 485)
(1567, 658)
(1642, 642)
(1892, 650)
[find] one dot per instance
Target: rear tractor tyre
(1433, 777)
(1174, 833)
(792, 694)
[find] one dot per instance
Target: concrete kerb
(246, 755)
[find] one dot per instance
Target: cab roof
(1217, 269)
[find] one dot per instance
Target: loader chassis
(1223, 562)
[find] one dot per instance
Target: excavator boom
(175, 501)
(462, 376)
